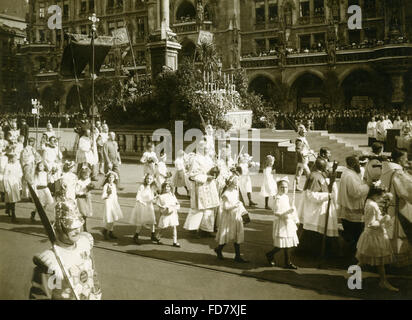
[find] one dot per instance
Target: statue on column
(199, 11)
(331, 45)
(282, 47)
(394, 25)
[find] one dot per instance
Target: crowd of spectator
(67, 120)
(321, 47)
(348, 120)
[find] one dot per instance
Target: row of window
(314, 41)
(85, 6)
(112, 25)
(268, 10)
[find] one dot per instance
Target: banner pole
(131, 49)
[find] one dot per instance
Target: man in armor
(72, 252)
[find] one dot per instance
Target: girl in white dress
(67, 181)
(161, 171)
(231, 223)
(268, 189)
(112, 211)
(245, 180)
(143, 213)
(180, 174)
(149, 160)
(3, 162)
(12, 184)
(374, 246)
(284, 225)
(169, 206)
(83, 195)
(40, 185)
(19, 146)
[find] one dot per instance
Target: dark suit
(24, 131)
(111, 155)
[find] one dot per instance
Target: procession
(205, 150)
(361, 207)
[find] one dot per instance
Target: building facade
(12, 35)
(299, 43)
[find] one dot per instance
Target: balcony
(260, 25)
(36, 48)
(259, 62)
(304, 20)
(86, 13)
(273, 23)
(318, 19)
(384, 52)
(388, 52)
(185, 27)
(191, 27)
(112, 10)
(315, 58)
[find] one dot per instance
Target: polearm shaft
(93, 27)
(94, 20)
(131, 50)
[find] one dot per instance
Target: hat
(285, 178)
(68, 215)
(110, 172)
(163, 157)
(301, 127)
(68, 165)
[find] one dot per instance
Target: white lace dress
(112, 210)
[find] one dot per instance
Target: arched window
(207, 13)
(186, 12)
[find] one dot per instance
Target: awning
(78, 53)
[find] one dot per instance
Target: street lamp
(94, 21)
(36, 115)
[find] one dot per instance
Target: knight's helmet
(67, 215)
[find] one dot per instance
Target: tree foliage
(263, 113)
(52, 94)
(208, 56)
(179, 93)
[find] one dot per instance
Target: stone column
(163, 45)
(164, 14)
(311, 11)
(296, 13)
(153, 22)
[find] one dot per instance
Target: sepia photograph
(192, 151)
